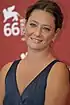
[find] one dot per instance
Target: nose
(38, 31)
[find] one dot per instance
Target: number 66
(11, 30)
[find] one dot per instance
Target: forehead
(42, 17)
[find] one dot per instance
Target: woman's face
(40, 30)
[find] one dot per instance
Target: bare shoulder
(5, 69)
(59, 74)
(60, 69)
(58, 85)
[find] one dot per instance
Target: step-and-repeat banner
(12, 45)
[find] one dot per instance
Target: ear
(57, 32)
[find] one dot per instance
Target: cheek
(28, 31)
(48, 38)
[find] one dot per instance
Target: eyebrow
(42, 24)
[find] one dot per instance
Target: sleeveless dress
(33, 94)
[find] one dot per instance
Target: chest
(25, 76)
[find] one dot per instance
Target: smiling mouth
(36, 40)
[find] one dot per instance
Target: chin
(39, 48)
(35, 46)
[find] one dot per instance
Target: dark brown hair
(48, 6)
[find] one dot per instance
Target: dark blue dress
(33, 94)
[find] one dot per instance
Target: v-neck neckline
(32, 79)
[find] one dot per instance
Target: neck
(38, 56)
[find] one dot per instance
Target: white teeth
(36, 40)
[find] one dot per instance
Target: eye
(46, 29)
(33, 25)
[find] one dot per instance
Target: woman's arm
(58, 86)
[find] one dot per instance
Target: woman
(38, 79)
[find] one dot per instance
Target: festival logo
(16, 27)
